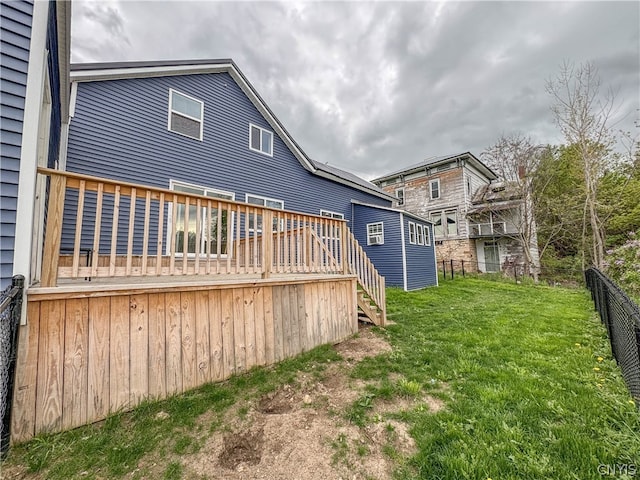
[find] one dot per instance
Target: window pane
(187, 189)
(274, 204)
(186, 106)
(452, 227)
(255, 138)
(266, 142)
(437, 224)
(255, 200)
(185, 125)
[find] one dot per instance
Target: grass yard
(524, 373)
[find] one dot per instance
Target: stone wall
(463, 249)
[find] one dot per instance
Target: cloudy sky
(374, 86)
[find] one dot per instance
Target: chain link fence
(621, 316)
(10, 309)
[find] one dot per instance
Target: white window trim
(369, 235)
(172, 184)
(427, 236)
(431, 182)
(420, 234)
(201, 120)
(259, 150)
(412, 233)
(246, 199)
(330, 214)
(401, 189)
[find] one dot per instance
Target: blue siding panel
(421, 269)
(387, 257)
(15, 35)
(119, 131)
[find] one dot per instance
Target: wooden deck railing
(119, 229)
(369, 278)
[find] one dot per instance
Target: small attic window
(185, 115)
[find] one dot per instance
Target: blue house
(34, 100)
(201, 125)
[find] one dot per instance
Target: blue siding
(421, 270)
(119, 131)
(387, 257)
(15, 38)
(54, 83)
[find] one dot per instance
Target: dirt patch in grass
(300, 431)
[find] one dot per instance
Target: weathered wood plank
(240, 346)
(119, 371)
(286, 321)
(332, 307)
(23, 418)
(309, 315)
(322, 317)
(157, 345)
(302, 319)
(269, 339)
(249, 326)
(228, 343)
(203, 321)
(294, 335)
(174, 343)
(259, 316)
(189, 364)
(76, 346)
(50, 366)
(139, 345)
(215, 335)
(98, 358)
(278, 328)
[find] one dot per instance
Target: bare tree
(515, 158)
(583, 115)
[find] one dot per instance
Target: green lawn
(525, 372)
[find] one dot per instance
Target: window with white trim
(375, 233)
(445, 223)
(434, 189)
(420, 234)
(263, 202)
(427, 236)
(400, 196)
(412, 233)
(260, 140)
(327, 213)
(208, 234)
(185, 115)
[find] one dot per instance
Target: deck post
(53, 235)
(267, 243)
(344, 247)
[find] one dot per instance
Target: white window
(263, 202)
(420, 234)
(427, 236)
(260, 140)
(375, 233)
(436, 218)
(327, 213)
(400, 196)
(208, 237)
(412, 233)
(445, 223)
(185, 115)
(434, 189)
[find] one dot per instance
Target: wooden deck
(92, 349)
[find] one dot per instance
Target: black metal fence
(513, 271)
(10, 309)
(621, 316)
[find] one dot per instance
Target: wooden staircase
(371, 285)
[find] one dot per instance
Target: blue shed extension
(405, 260)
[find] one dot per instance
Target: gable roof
(441, 160)
(93, 72)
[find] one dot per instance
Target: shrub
(622, 264)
